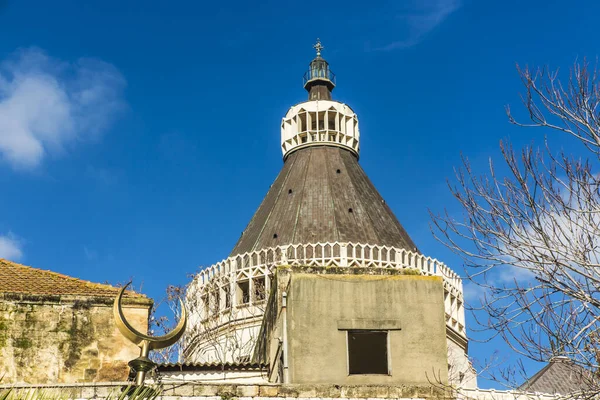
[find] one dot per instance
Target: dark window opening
(367, 352)
(350, 210)
(260, 291)
(205, 304)
(227, 293)
(243, 292)
(290, 191)
(217, 300)
(337, 171)
(274, 236)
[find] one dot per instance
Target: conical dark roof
(322, 195)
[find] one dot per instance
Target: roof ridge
(47, 271)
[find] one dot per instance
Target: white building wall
(461, 372)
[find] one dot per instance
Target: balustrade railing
(347, 255)
(335, 254)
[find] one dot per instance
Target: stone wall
(62, 339)
(220, 391)
(208, 391)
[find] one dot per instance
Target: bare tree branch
(530, 237)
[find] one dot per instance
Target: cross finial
(318, 47)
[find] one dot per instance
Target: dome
(322, 195)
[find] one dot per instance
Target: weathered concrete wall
(322, 306)
(51, 339)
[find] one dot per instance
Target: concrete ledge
(386, 324)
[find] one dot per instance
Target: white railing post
(284, 259)
(343, 254)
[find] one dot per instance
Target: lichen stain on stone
(81, 334)
(66, 342)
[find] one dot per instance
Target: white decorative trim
(261, 263)
(319, 122)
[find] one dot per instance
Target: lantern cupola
(319, 121)
(319, 81)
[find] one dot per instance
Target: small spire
(319, 81)
(318, 47)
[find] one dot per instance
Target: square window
(367, 352)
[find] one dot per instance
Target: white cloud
(47, 104)
(419, 18)
(508, 273)
(473, 294)
(11, 247)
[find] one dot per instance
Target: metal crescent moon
(138, 338)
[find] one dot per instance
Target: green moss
(80, 335)
(83, 304)
(411, 271)
(23, 343)
(227, 396)
(4, 331)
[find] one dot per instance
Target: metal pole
(286, 378)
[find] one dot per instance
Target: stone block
(205, 390)
(226, 391)
(87, 392)
(379, 392)
(307, 391)
(268, 391)
(185, 390)
(246, 391)
(288, 391)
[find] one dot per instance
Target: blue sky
(138, 138)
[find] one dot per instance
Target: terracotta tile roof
(21, 279)
(561, 376)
